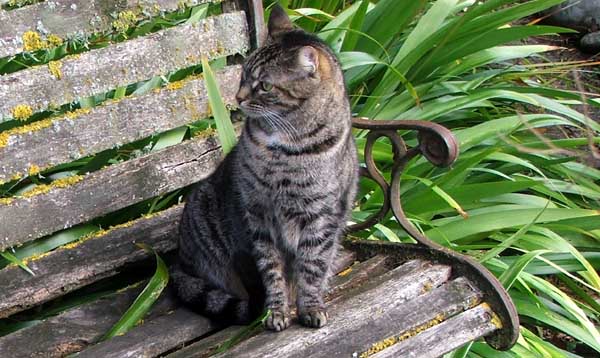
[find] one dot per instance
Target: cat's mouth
(252, 110)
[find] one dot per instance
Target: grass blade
(221, 114)
(356, 23)
(145, 300)
(509, 276)
(13, 259)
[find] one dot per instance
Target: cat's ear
(308, 59)
(279, 21)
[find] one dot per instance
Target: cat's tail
(209, 300)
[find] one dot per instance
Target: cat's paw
(278, 320)
(314, 317)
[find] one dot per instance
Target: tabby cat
(271, 214)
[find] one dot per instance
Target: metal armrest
(438, 145)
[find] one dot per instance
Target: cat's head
(290, 68)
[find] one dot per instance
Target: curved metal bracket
(439, 146)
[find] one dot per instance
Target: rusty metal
(439, 146)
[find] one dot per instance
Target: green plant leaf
(356, 23)
(170, 138)
(13, 259)
(509, 276)
(221, 114)
(145, 300)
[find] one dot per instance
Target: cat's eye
(266, 86)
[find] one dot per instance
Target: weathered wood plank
(101, 70)
(107, 190)
(67, 138)
(150, 340)
(67, 269)
(451, 334)
(344, 259)
(76, 328)
(208, 345)
(154, 337)
(394, 304)
(65, 18)
(356, 275)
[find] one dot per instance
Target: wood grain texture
(374, 313)
(165, 328)
(445, 337)
(76, 328)
(67, 269)
(101, 70)
(113, 124)
(206, 346)
(107, 190)
(356, 275)
(65, 18)
(154, 337)
(369, 268)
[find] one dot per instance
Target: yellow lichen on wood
(104, 232)
(32, 41)
(125, 20)
(35, 257)
(22, 112)
(6, 201)
(208, 132)
(345, 272)
(33, 170)
(76, 113)
(379, 346)
(55, 69)
(32, 127)
(383, 344)
(496, 321)
(57, 184)
(175, 85)
(36, 126)
(54, 40)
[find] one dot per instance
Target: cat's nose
(242, 95)
(241, 100)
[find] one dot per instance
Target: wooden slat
(101, 70)
(76, 328)
(158, 334)
(67, 269)
(154, 337)
(150, 340)
(340, 286)
(208, 345)
(356, 275)
(65, 138)
(393, 304)
(445, 337)
(69, 17)
(107, 190)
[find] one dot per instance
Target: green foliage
(221, 114)
(523, 204)
(142, 304)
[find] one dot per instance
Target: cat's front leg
(270, 264)
(316, 251)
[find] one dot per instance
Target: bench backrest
(42, 145)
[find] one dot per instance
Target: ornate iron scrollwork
(438, 145)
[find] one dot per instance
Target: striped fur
(271, 215)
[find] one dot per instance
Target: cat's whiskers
(289, 130)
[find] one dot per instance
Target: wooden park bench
(390, 300)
